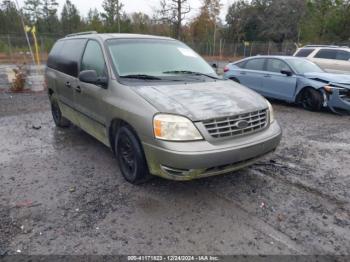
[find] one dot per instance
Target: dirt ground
(62, 193)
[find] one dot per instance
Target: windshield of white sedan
(302, 66)
(154, 59)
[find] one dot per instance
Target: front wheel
(130, 156)
(311, 99)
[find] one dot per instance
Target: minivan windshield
(302, 66)
(154, 59)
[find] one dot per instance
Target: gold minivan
(158, 105)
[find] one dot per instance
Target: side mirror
(214, 66)
(286, 72)
(90, 76)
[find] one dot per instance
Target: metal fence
(224, 50)
(14, 48)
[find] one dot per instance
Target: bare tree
(174, 11)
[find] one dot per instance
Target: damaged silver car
(293, 79)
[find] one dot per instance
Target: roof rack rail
(82, 33)
(331, 46)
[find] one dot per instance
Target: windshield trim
(119, 77)
(288, 60)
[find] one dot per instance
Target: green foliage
(296, 20)
(308, 21)
(33, 11)
(70, 18)
(9, 18)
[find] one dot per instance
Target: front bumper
(337, 102)
(192, 160)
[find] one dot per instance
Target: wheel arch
(115, 124)
(301, 90)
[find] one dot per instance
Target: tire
(59, 120)
(311, 99)
(130, 156)
(235, 80)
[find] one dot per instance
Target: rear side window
(255, 64)
(93, 59)
(276, 66)
(326, 54)
(343, 55)
(304, 52)
(65, 56)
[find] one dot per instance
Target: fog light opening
(174, 171)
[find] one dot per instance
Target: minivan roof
(114, 36)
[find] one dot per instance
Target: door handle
(267, 75)
(77, 89)
(243, 73)
(68, 84)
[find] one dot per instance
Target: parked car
(158, 105)
(292, 79)
(333, 59)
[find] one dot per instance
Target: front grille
(229, 126)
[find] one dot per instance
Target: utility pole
(25, 32)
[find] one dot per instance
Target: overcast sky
(146, 6)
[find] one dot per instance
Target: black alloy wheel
(130, 156)
(311, 99)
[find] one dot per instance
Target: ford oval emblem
(241, 124)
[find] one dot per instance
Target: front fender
(305, 82)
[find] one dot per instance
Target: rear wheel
(59, 120)
(311, 99)
(130, 156)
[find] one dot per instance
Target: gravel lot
(62, 193)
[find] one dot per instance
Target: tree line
(256, 20)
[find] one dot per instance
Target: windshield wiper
(186, 72)
(141, 76)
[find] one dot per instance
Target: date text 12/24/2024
(173, 258)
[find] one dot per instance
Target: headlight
(271, 112)
(175, 128)
(329, 89)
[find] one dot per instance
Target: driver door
(89, 97)
(278, 85)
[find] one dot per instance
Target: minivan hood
(201, 101)
(331, 78)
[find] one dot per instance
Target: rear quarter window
(326, 54)
(54, 54)
(240, 64)
(343, 55)
(304, 52)
(65, 56)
